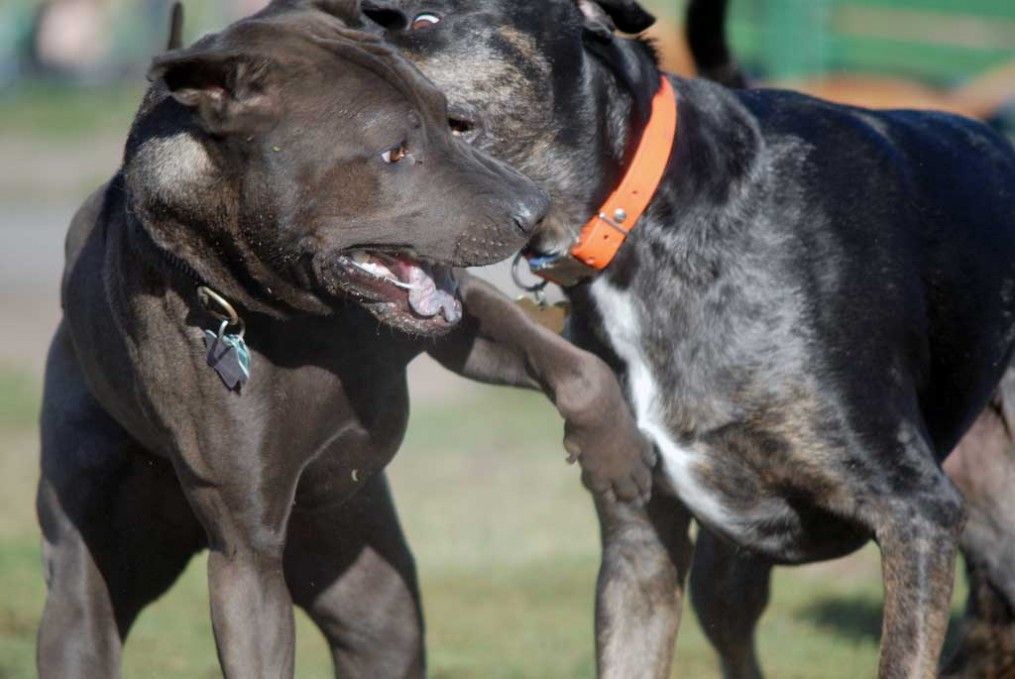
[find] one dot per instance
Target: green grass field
(506, 543)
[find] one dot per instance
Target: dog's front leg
(639, 592)
(497, 343)
(244, 505)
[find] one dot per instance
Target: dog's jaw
(399, 290)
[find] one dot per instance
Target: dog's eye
(424, 20)
(395, 155)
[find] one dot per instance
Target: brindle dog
(817, 305)
(730, 587)
(307, 178)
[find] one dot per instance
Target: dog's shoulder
(90, 221)
(84, 222)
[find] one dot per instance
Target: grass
(506, 543)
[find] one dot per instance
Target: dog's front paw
(616, 459)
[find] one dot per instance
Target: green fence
(935, 40)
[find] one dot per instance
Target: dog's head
(297, 163)
(531, 81)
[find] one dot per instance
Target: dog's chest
(723, 466)
(624, 328)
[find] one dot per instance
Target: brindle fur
(982, 466)
(816, 306)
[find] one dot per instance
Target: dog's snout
(531, 211)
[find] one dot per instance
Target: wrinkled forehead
(313, 41)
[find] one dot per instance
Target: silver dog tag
(229, 356)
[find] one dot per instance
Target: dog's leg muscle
(497, 343)
(918, 566)
(245, 512)
(349, 566)
(729, 592)
(116, 528)
(916, 519)
(982, 466)
(646, 554)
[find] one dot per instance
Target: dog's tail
(175, 27)
(705, 28)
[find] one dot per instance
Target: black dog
(816, 306)
(220, 378)
(730, 588)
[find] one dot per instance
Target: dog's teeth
(360, 257)
(373, 268)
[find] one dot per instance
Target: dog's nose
(531, 212)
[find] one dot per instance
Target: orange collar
(602, 236)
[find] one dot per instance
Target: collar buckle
(619, 215)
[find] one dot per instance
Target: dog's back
(948, 181)
(868, 229)
(911, 199)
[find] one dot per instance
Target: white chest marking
(624, 329)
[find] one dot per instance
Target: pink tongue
(427, 300)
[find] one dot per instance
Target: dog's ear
(228, 91)
(602, 17)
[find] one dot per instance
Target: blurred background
(505, 537)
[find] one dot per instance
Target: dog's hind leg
(729, 592)
(916, 515)
(646, 554)
(983, 467)
(349, 567)
(987, 645)
(116, 528)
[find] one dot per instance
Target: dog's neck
(620, 76)
(626, 73)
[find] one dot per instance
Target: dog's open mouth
(403, 291)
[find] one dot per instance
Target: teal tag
(229, 356)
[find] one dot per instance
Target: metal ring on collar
(207, 296)
(516, 277)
